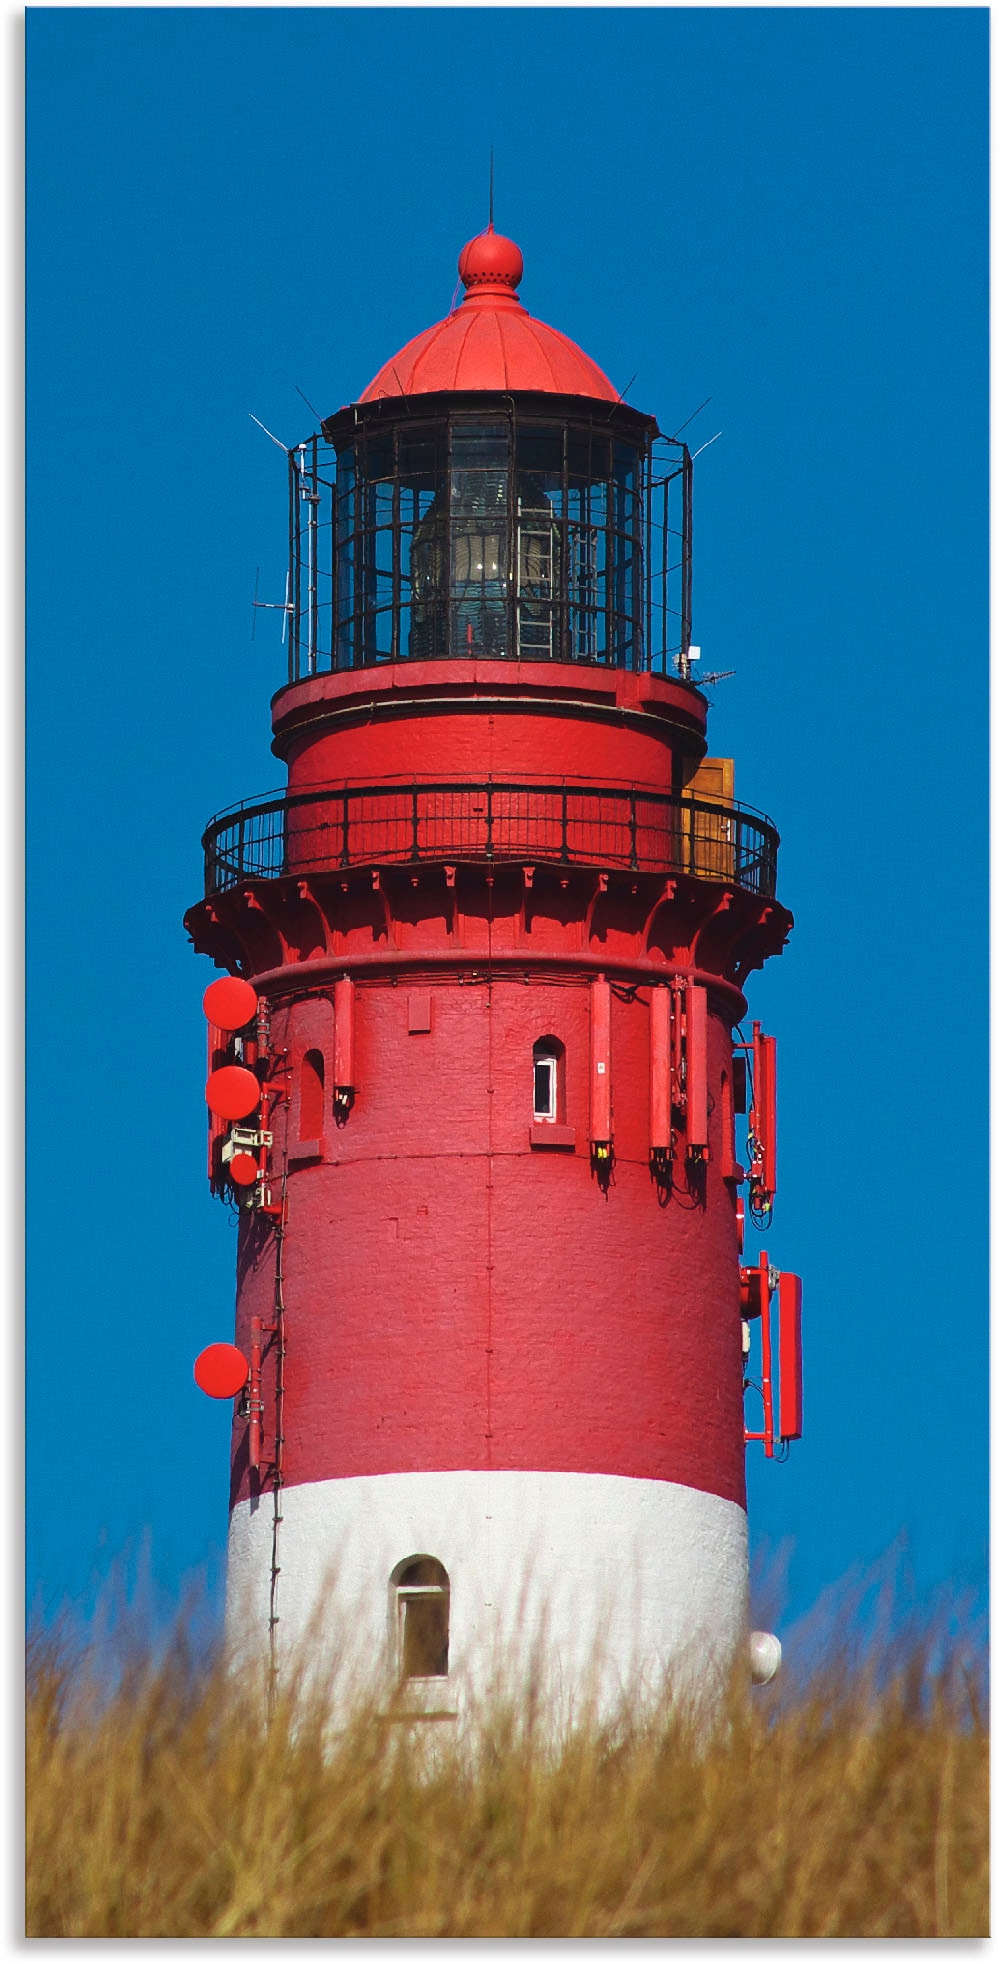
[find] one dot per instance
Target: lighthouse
(481, 1082)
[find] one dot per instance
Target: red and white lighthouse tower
(477, 1071)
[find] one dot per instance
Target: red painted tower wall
(463, 1298)
(465, 719)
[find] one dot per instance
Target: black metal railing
(325, 829)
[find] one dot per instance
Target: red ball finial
(491, 260)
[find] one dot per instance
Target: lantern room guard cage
(527, 528)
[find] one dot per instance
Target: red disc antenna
(232, 1092)
(242, 1168)
(221, 1370)
(230, 1003)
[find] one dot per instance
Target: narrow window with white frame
(549, 1058)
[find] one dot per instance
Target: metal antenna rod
(268, 432)
(693, 413)
(308, 404)
(490, 187)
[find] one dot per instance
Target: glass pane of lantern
(582, 634)
(537, 631)
(480, 628)
(381, 635)
(379, 504)
(540, 450)
(626, 470)
(476, 491)
(378, 459)
(536, 562)
(479, 444)
(478, 557)
(418, 459)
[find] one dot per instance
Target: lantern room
(491, 496)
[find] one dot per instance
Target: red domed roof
(491, 341)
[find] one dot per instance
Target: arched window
(549, 1080)
(310, 1107)
(421, 1614)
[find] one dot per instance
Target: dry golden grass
(169, 1808)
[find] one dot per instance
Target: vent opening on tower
(421, 1607)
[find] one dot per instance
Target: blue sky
(783, 209)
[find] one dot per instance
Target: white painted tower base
(545, 1568)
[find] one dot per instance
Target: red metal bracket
(789, 1296)
(696, 1058)
(344, 1078)
(757, 1288)
(762, 1132)
(600, 1068)
(661, 1087)
(763, 1138)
